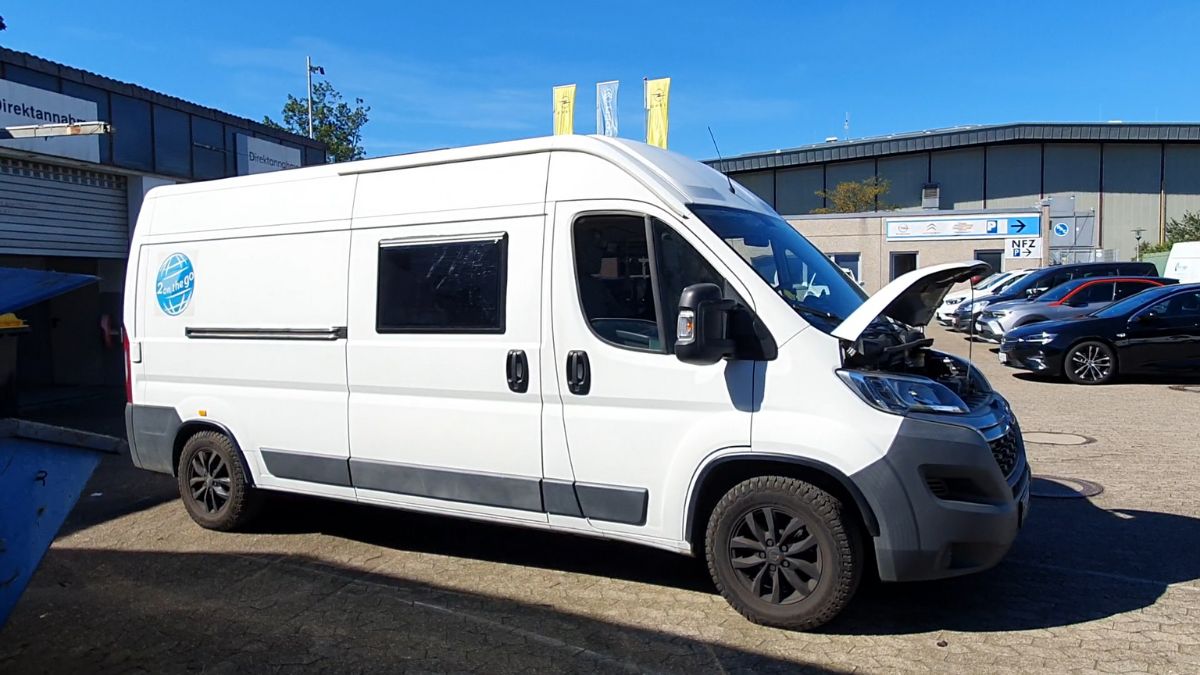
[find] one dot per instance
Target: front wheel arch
(720, 475)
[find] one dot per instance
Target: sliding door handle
(579, 373)
(516, 368)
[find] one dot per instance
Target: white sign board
(981, 226)
(1023, 248)
(254, 155)
(21, 105)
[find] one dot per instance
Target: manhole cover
(1057, 487)
(1189, 388)
(1056, 438)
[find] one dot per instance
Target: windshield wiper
(805, 309)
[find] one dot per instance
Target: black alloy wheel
(775, 555)
(1090, 363)
(209, 481)
(783, 552)
(213, 482)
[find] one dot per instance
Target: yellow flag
(564, 109)
(658, 93)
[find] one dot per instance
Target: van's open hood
(911, 299)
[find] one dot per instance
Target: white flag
(606, 108)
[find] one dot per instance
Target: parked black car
(1155, 331)
(1036, 283)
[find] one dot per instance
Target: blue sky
(764, 75)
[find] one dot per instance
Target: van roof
(682, 179)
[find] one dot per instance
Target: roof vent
(831, 139)
(931, 196)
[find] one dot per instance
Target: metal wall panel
(796, 190)
(848, 172)
(1073, 170)
(907, 174)
(1014, 176)
(960, 175)
(1182, 178)
(59, 211)
(1130, 179)
(761, 183)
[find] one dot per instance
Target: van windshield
(800, 273)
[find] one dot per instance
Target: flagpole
(308, 74)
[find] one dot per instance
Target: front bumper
(1039, 358)
(944, 504)
(963, 323)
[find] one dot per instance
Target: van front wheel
(213, 483)
(780, 552)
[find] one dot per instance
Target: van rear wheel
(214, 483)
(781, 553)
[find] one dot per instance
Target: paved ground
(1108, 584)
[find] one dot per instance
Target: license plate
(1003, 357)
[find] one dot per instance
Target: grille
(1005, 449)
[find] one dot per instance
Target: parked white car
(567, 333)
(986, 287)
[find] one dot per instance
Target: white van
(1183, 263)
(581, 334)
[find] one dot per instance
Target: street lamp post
(1137, 235)
(308, 73)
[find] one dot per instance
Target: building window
(903, 263)
(452, 285)
(850, 263)
(994, 257)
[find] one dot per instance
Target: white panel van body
(1183, 263)
(581, 334)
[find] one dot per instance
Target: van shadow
(1072, 563)
(109, 610)
(443, 535)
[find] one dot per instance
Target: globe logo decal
(175, 283)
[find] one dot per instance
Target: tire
(1090, 362)
(828, 567)
(223, 498)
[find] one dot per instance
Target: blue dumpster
(43, 469)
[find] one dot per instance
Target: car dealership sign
(21, 105)
(981, 226)
(254, 155)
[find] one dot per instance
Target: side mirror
(1034, 292)
(1146, 317)
(1077, 303)
(702, 327)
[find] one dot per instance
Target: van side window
(612, 265)
(451, 286)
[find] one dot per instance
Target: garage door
(62, 211)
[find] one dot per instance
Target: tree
(335, 123)
(856, 196)
(1182, 229)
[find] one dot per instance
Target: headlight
(977, 306)
(954, 301)
(1001, 312)
(1037, 338)
(901, 394)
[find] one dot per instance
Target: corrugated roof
(957, 137)
(37, 63)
